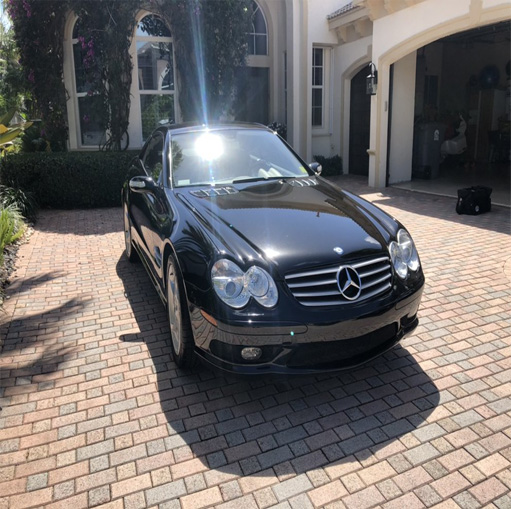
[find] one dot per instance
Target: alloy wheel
(174, 309)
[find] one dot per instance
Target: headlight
(261, 286)
(403, 254)
(235, 287)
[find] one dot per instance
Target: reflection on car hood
(291, 225)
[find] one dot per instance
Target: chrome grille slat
(315, 294)
(317, 283)
(321, 303)
(320, 287)
(377, 282)
(377, 291)
(369, 262)
(372, 272)
(313, 273)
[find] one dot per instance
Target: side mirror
(142, 185)
(316, 168)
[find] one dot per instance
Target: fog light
(251, 353)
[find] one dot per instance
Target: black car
(264, 266)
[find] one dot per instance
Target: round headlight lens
(256, 281)
(228, 282)
(413, 262)
(403, 254)
(261, 286)
(235, 287)
(406, 244)
(396, 256)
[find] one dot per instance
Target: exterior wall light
(372, 80)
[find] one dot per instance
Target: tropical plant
(38, 28)
(9, 132)
(13, 90)
(12, 228)
(24, 201)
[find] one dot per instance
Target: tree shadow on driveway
(238, 427)
(29, 361)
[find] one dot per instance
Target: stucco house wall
(352, 34)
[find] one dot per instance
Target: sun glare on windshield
(209, 146)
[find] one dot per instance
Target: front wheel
(131, 254)
(182, 342)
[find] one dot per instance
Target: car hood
(292, 224)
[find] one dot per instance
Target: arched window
(154, 73)
(258, 37)
(88, 104)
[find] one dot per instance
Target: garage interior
(462, 114)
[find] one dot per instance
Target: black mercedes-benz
(263, 265)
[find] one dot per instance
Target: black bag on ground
(474, 200)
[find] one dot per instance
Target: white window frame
(136, 134)
(135, 120)
(325, 87)
(285, 78)
(75, 137)
(254, 35)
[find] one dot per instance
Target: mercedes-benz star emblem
(349, 283)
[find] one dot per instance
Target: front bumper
(304, 348)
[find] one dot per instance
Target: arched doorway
(360, 117)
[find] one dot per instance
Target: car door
(157, 212)
(141, 202)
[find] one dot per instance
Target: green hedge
(332, 166)
(66, 180)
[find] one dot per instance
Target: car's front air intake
(214, 191)
(303, 182)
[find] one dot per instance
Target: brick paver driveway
(95, 412)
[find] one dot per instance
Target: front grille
(321, 288)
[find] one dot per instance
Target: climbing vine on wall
(210, 45)
(105, 29)
(38, 31)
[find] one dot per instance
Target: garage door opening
(462, 112)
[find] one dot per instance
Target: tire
(181, 336)
(129, 250)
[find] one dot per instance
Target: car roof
(197, 127)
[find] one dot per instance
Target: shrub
(331, 165)
(67, 180)
(23, 201)
(12, 227)
(280, 129)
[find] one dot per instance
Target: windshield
(226, 156)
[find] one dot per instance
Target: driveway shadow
(28, 361)
(28, 283)
(264, 427)
(85, 222)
